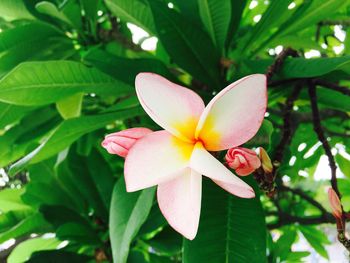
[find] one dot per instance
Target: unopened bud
(334, 201)
(119, 143)
(265, 161)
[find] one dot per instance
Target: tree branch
(275, 67)
(287, 125)
(304, 196)
(332, 86)
(320, 134)
(287, 219)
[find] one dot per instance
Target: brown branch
(287, 219)
(287, 124)
(332, 86)
(304, 196)
(321, 137)
(277, 65)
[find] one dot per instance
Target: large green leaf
(216, 16)
(189, 46)
(128, 212)
(136, 12)
(237, 8)
(40, 83)
(231, 229)
(68, 132)
(301, 67)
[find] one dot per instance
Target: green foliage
(67, 71)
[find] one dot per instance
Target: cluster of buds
(340, 217)
(245, 161)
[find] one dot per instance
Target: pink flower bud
(243, 161)
(335, 203)
(119, 143)
(265, 161)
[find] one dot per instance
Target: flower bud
(334, 201)
(243, 161)
(119, 143)
(265, 161)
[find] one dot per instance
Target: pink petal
(154, 159)
(173, 107)
(180, 202)
(204, 163)
(234, 115)
(132, 133)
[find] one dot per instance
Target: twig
(275, 67)
(287, 124)
(287, 219)
(320, 134)
(332, 86)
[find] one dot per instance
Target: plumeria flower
(244, 161)
(176, 158)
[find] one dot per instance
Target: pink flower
(119, 143)
(176, 158)
(243, 161)
(335, 203)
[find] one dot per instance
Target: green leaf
(330, 98)
(231, 229)
(12, 113)
(344, 164)
(101, 175)
(79, 233)
(10, 200)
(125, 69)
(70, 107)
(216, 16)
(14, 9)
(315, 12)
(237, 8)
(32, 224)
(301, 67)
(316, 238)
(136, 12)
(168, 242)
(40, 83)
(128, 212)
(263, 136)
(19, 44)
(50, 9)
(189, 46)
(68, 132)
(284, 243)
(24, 250)
(270, 18)
(58, 256)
